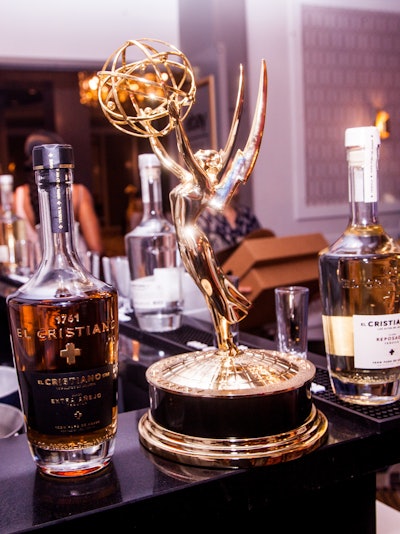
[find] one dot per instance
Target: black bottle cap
(52, 157)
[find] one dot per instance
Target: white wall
(80, 31)
(273, 33)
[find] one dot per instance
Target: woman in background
(229, 227)
(26, 204)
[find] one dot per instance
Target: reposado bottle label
(373, 340)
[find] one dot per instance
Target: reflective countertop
(142, 492)
(147, 490)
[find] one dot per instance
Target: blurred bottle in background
(12, 230)
(154, 261)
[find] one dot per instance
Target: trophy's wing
(227, 151)
(244, 160)
(253, 144)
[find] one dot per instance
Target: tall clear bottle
(151, 247)
(12, 228)
(360, 288)
(64, 330)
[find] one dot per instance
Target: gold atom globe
(135, 93)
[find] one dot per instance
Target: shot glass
(91, 261)
(25, 257)
(291, 306)
(120, 279)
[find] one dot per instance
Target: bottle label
(58, 202)
(65, 355)
(70, 403)
(364, 163)
(370, 171)
(338, 335)
(158, 291)
(376, 341)
(373, 340)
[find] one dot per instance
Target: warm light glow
(88, 89)
(148, 91)
(11, 167)
(382, 122)
(88, 86)
(88, 83)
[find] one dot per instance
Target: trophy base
(231, 452)
(213, 409)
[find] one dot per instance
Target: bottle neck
(56, 213)
(151, 193)
(363, 185)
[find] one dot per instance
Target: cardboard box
(267, 262)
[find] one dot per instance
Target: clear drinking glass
(25, 257)
(291, 306)
(120, 279)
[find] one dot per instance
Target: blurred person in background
(229, 227)
(26, 203)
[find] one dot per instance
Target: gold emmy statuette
(222, 407)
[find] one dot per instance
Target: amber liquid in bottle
(360, 290)
(64, 329)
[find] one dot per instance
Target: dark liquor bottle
(360, 288)
(64, 331)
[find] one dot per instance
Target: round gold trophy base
(210, 409)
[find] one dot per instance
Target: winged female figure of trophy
(210, 178)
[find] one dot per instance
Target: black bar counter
(331, 489)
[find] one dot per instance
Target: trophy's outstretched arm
(166, 160)
(198, 166)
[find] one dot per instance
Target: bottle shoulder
(63, 284)
(363, 241)
(152, 226)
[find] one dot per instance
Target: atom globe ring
(135, 95)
